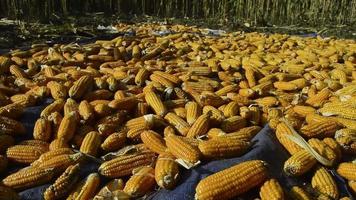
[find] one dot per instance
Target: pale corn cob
(341, 111)
(42, 130)
(231, 109)
(255, 115)
(200, 126)
(244, 134)
(207, 98)
(170, 77)
(215, 133)
(285, 86)
(154, 101)
(166, 171)
(318, 99)
(25, 153)
(304, 110)
(223, 148)
(123, 165)
(182, 149)
(233, 124)
(281, 131)
(12, 110)
(332, 144)
(271, 189)
(267, 101)
(193, 112)
(181, 126)
(216, 117)
(3, 164)
(28, 178)
(141, 182)
(11, 127)
(141, 76)
(56, 106)
(71, 107)
(86, 111)
(320, 130)
(126, 103)
(88, 190)
(237, 180)
(347, 170)
(153, 141)
(227, 89)
(299, 163)
(63, 184)
(91, 143)
(143, 122)
(58, 91)
(50, 154)
(114, 141)
(58, 143)
(61, 161)
(299, 193)
(323, 182)
(67, 127)
(80, 87)
(8, 194)
(340, 75)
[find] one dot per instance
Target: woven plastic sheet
(265, 147)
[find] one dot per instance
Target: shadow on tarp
(266, 147)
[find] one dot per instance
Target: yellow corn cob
(233, 123)
(244, 134)
(215, 133)
(193, 111)
(216, 117)
(231, 109)
(323, 149)
(71, 107)
(352, 185)
(299, 163)
(86, 111)
(182, 149)
(246, 92)
(61, 162)
(346, 139)
(223, 148)
(8, 194)
(315, 118)
(250, 76)
(332, 144)
(255, 115)
(285, 86)
(267, 101)
(155, 103)
(166, 171)
(98, 94)
(11, 127)
(67, 127)
(63, 184)
(298, 193)
(144, 122)
(321, 129)
(318, 99)
(135, 133)
(237, 180)
(91, 143)
(340, 75)
(114, 141)
(123, 165)
(347, 170)
(80, 87)
(271, 189)
(58, 143)
(180, 111)
(200, 126)
(4, 64)
(141, 182)
(274, 113)
(141, 109)
(102, 110)
(77, 188)
(100, 82)
(42, 130)
(113, 185)
(125, 103)
(3, 164)
(170, 77)
(24, 99)
(17, 71)
(161, 80)
(324, 183)
(12, 110)
(341, 111)
(58, 91)
(348, 123)
(28, 178)
(88, 190)
(141, 76)
(35, 143)
(179, 123)
(56, 106)
(281, 131)
(50, 154)
(303, 110)
(25, 153)
(169, 130)
(207, 98)
(227, 89)
(153, 141)
(177, 103)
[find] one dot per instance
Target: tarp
(265, 147)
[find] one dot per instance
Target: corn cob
(67, 127)
(11, 127)
(58, 91)
(36, 143)
(352, 185)
(98, 94)
(193, 112)
(80, 87)
(123, 165)
(231, 109)
(42, 130)
(168, 76)
(334, 146)
(58, 143)
(25, 153)
(347, 170)
(318, 99)
(299, 163)
(63, 184)
(182, 149)
(71, 107)
(303, 110)
(223, 148)
(56, 106)
(298, 193)
(323, 149)
(180, 111)
(86, 111)
(200, 126)
(12, 110)
(61, 161)
(215, 133)
(155, 103)
(113, 185)
(140, 182)
(179, 123)
(267, 101)
(50, 154)
(255, 115)
(216, 117)
(8, 194)
(141, 76)
(281, 131)
(233, 123)
(6, 141)
(207, 98)
(17, 71)
(89, 188)
(315, 118)
(324, 183)
(144, 122)
(244, 134)
(153, 141)
(229, 88)
(114, 141)
(28, 178)
(3, 164)
(321, 130)
(4, 64)
(91, 143)
(166, 171)
(161, 80)
(346, 139)
(237, 180)
(271, 189)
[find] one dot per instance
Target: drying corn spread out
(147, 107)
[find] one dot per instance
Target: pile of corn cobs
(143, 105)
